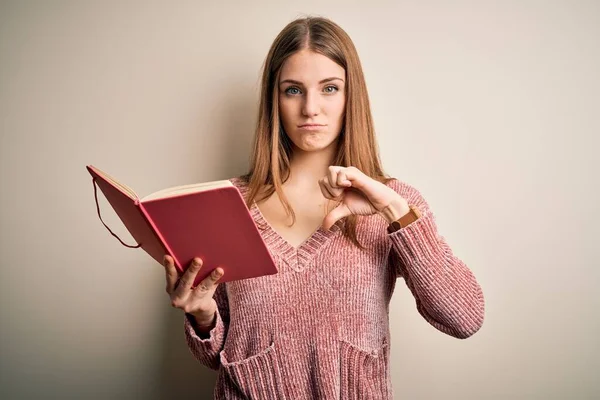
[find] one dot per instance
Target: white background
(489, 108)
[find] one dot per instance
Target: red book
(207, 220)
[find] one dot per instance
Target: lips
(310, 125)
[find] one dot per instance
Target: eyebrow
(320, 82)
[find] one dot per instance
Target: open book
(207, 220)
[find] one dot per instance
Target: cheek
(337, 112)
(286, 112)
(337, 106)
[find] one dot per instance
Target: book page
(184, 189)
(124, 188)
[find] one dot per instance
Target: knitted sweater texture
(319, 328)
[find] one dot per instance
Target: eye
(334, 89)
(290, 89)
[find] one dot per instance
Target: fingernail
(197, 262)
(216, 274)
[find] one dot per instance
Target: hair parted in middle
(272, 149)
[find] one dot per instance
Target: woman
(340, 232)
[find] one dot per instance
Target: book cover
(213, 224)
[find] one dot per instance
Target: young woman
(341, 233)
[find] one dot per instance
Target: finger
(171, 273)
(331, 182)
(326, 193)
(187, 279)
(208, 284)
(332, 173)
(356, 178)
(335, 215)
(334, 194)
(342, 179)
(337, 178)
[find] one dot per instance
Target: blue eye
(293, 90)
(287, 91)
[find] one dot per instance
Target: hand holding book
(197, 301)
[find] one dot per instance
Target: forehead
(309, 67)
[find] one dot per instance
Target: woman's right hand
(197, 301)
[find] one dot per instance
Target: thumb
(335, 215)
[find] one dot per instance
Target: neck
(306, 168)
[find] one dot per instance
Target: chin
(312, 141)
(314, 145)
(311, 149)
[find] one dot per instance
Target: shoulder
(241, 183)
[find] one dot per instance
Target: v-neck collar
(299, 257)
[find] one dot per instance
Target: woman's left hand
(359, 194)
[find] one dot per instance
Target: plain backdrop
(489, 108)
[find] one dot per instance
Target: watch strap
(410, 217)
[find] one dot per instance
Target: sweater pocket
(256, 377)
(364, 374)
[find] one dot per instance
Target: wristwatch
(412, 215)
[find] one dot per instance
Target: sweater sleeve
(446, 292)
(207, 350)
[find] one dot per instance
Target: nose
(311, 105)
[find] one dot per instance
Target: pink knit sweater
(319, 328)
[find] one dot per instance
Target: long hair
(272, 149)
